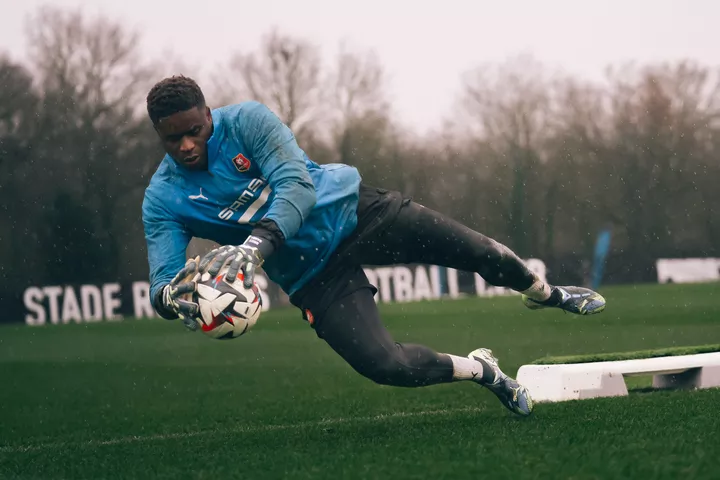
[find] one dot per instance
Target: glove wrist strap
(159, 304)
(264, 247)
(267, 237)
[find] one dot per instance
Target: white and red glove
(176, 297)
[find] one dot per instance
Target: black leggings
(352, 327)
(421, 235)
(393, 230)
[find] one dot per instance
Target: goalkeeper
(236, 175)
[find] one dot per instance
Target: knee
(388, 368)
(489, 258)
(500, 266)
(492, 251)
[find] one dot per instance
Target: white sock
(539, 291)
(465, 368)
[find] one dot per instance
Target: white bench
(577, 381)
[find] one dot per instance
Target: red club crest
(241, 163)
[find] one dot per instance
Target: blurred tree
(93, 146)
(356, 88)
(18, 104)
(576, 196)
(665, 118)
(360, 126)
(18, 107)
(284, 75)
(511, 107)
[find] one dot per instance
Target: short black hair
(171, 95)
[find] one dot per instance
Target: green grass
(636, 355)
(148, 399)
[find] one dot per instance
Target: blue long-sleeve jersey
(255, 170)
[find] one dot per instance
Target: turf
(148, 399)
(636, 355)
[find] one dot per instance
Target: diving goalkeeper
(236, 175)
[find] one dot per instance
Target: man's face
(184, 136)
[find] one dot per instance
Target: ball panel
(227, 310)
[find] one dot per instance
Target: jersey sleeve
(167, 240)
(273, 147)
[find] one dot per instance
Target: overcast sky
(425, 46)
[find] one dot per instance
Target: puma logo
(198, 197)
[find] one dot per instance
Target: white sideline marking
(246, 429)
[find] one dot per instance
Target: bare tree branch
(284, 75)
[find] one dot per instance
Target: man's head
(176, 106)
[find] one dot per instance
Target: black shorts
(377, 209)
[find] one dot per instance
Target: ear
(208, 114)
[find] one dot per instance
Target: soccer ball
(227, 310)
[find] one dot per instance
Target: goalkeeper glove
(176, 297)
(265, 238)
(243, 258)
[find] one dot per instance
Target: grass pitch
(148, 399)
